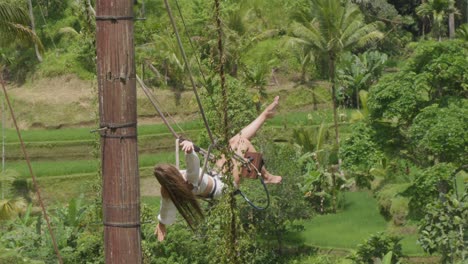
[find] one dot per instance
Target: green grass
(83, 134)
(311, 117)
(151, 200)
(70, 167)
(350, 227)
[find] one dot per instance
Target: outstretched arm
(192, 162)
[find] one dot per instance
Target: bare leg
(250, 130)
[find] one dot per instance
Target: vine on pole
(232, 237)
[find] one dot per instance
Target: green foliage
(426, 187)
(441, 66)
(69, 228)
(462, 32)
(11, 208)
(442, 132)
(437, 11)
(287, 204)
(180, 246)
(322, 182)
(433, 72)
(358, 72)
(377, 246)
(360, 153)
(256, 77)
(319, 259)
(443, 228)
(12, 256)
(89, 247)
(322, 185)
(70, 34)
(419, 112)
(397, 96)
(14, 25)
(392, 204)
(240, 108)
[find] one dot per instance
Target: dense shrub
(360, 153)
(240, 108)
(427, 186)
(442, 132)
(391, 204)
(443, 228)
(376, 247)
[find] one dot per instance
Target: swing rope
(161, 114)
(187, 34)
(36, 185)
(187, 66)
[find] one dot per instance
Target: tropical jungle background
(371, 133)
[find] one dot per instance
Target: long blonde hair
(174, 186)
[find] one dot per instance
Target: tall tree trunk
(424, 21)
(3, 144)
(33, 28)
(357, 99)
(90, 8)
(451, 25)
(451, 21)
(118, 120)
(331, 71)
(333, 191)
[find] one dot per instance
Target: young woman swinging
(180, 189)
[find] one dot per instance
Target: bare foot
(270, 111)
(269, 178)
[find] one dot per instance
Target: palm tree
(335, 27)
(437, 11)
(242, 30)
(462, 32)
(14, 25)
(10, 208)
(256, 77)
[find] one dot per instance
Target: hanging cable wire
(155, 104)
(179, 42)
(36, 185)
(187, 33)
(221, 71)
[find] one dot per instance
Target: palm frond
(11, 208)
(462, 32)
(14, 25)
(309, 36)
(369, 38)
(68, 31)
(13, 14)
(10, 32)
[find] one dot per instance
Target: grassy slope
(350, 227)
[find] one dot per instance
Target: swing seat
(254, 165)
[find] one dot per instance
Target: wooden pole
(118, 117)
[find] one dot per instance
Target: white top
(167, 213)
